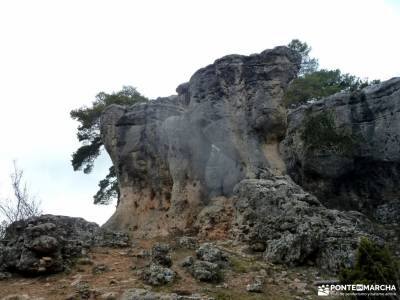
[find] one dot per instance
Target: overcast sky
(57, 55)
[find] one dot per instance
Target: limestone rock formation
(365, 172)
(48, 243)
(215, 158)
(173, 155)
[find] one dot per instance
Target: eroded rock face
(369, 174)
(211, 161)
(175, 154)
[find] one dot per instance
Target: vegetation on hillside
(89, 135)
(374, 264)
(313, 83)
(308, 64)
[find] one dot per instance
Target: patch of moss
(238, 265)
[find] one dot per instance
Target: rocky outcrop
(173, 155)
(209, 263)
(294, 227)
(49, 244)
(214, 159)
(355, 163)
(158, 272)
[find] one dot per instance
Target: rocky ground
(124, 273)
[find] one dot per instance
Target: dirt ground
(123, 265)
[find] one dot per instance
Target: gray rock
(209, 252)
(205, 271)
(109, 296)
(187, 262)
(294, 226)
(44, 244)
(160, 255)
(388, 213)
(157, 275)
(109, 238)
(100, 269)
(175, 154)
(256, 286)
(83, 290)
(208, 267)
(48, 243)
(369, 174)
(187, 242)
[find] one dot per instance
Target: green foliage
(320, 133)
(108, 188)
(320, 84)
(89, 135)
(308, 64)
(374, 264)
(86, 154)
(315, 84)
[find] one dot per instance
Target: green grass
(244, 265)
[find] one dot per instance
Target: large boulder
(157, 275)
(174, 155)
(209, 252)
(48, 243)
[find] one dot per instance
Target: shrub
(374, 264)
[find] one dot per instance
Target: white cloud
(57, 55)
